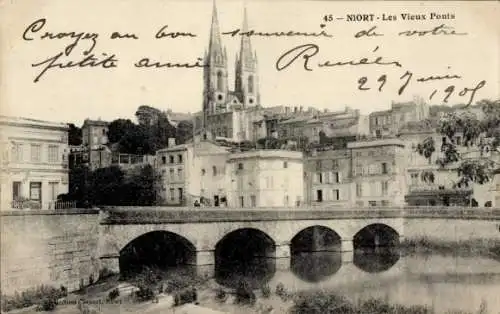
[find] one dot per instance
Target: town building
(378, 172)
(190, 172)
(388, 122)
(34, 163)
(94, 133)
(328, 178)
(265, 178)
(495, 189)
(429, 184)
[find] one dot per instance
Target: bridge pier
(347, 249)
(283, 256)
(204, 262)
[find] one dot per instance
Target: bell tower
(246, 75)
(215, 81)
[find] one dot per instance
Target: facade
(265, 178)
(34, 163)
(379, 172)
(429, 184)
(328, 178)
(388, 122)
(94, 133)
(190, 172)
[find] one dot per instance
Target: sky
(73, 94)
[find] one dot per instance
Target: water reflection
(376, 260)
(256, 272)
(315, 266)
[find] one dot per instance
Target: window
(372, 203)
(220, 82)
(250, 84)
(385, 203)
(285, 164)
(335, 164)
(179, 173)
(53, 153)
(242, 201)
(17, 152)
(384, 168)
(359, 190)
(214, 170)
(35, 152)
(164, 159)
(179, 158)
(171, 159)
(240, 166)
(172, 194)
(318, 165)
(172, 174)
(53, 190)
(36, 191)
(336, 177)
(16, 190)
(336, 195)
(385, 187)
(319, 195)
(181, 195)
(414, 178)
(203, 171)
(253, 200)
(320, 177)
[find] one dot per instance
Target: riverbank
(489, 248)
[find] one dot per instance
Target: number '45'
(328, 18)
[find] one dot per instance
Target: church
(230, 114)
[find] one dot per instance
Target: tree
(475, 131)
(118, 128)
(184, 131)
(74, 135)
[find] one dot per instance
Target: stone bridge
(70, 247)
(206, 235)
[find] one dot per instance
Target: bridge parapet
(158, 215)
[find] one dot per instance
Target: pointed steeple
(245, 45)
(215, 44)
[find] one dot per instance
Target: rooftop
(8, 120)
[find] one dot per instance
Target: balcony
(36, 205)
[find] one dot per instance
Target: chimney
(171, 142)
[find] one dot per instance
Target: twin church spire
(217, 95)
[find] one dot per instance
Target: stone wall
(48, 248)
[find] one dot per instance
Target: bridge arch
(158, 249)
(242, 252)
(376, 235)
(316, 238)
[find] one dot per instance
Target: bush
(145, 293)
(44, 296)
(113, 294)
(48, 304)
(280, 290)
(245, 294)
(105, 273)
(220, 295)
(266, 291)
(186, 296)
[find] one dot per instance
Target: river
(443, 282)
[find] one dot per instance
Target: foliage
(426, 148)
(44, 296)
(188, 295)
(481, 132)
(106, 273)
(245, 294)
(151, 134)
(323, 302)
(111, 186)
(145, 293)
(113, 294)
(280, 289)
(74, 135)
(266, 291)
(220, 295)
